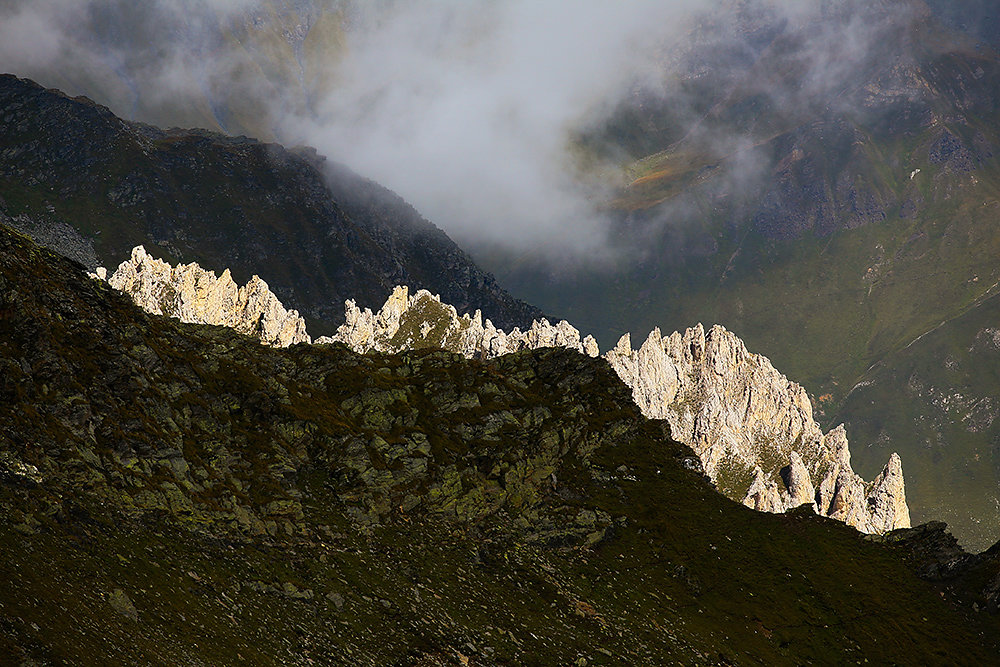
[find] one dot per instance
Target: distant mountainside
(830, 202)
(147, 61)
(975, 17)
(93, 186)
(180, 494)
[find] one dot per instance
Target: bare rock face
(195, 295)
(887, 499)
(754, 430)
(408, 322)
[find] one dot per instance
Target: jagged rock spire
(195, 295)
(752, 428)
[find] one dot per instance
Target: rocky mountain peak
(192, 294)
(752, 428)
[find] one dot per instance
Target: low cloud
(469, 109)
(466, 109)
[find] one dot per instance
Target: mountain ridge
(317, 233)
(752, 429)
(183, 494)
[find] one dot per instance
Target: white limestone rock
(754, 429)
(886, 498)
(195, 295)
(409, 322)
(798, 483)
(763, 495)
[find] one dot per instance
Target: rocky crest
(754, 429)
(407, 323)
(192, 294)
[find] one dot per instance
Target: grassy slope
(938, 395)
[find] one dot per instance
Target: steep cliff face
(752, 429)
(192, 294)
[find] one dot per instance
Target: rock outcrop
(754, 429)
(408, 322)
(192, 294)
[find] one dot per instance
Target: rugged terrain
(93, 186)
(823, 184)
(830, 200)
(752, 429)
(179, 493)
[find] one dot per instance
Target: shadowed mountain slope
(93, 186)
